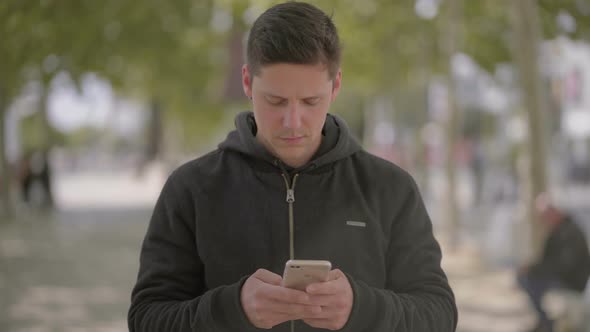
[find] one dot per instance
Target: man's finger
(296, 311)
(335, 274)
(268, 277)
(287, 295)
(325, 288)
(332, 286)
(323, 323)
(323, 300)
(317, 322)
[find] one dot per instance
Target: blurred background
(486, 103)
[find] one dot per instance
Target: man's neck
(291, 162)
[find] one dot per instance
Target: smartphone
(299, 274)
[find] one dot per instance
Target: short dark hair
(293, 32)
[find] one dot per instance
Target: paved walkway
(487, 297)
(74, 271)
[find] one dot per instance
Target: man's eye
(277, 102)
(311, 101)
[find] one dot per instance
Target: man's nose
(292, 118)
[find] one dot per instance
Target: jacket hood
(337, 141)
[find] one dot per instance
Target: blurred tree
(499, 32)
(527, 29)
(126, 43)
(185, 55)
(565, 17)
(6, 204)
(16, 56)
(453, 39)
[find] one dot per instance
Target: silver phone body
(299, 274)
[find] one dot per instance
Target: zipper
(290, 200)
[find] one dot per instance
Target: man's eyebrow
(271, 95)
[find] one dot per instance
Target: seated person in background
(564, 263)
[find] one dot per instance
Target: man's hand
(267, 304)
(335, 298)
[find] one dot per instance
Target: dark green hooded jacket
(224, 215)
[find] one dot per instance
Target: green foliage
(168, 50)
(578, 10)
(34, 136)
(486, 32)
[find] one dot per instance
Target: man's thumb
(268, 277)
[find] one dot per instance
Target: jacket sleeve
(417, 296)
(170, 293)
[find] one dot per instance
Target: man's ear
(336, 84)
(246, 81)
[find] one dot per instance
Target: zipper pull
(290, 195)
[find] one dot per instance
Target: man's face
(546, 212)
(290, 104)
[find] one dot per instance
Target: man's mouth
(292, 139)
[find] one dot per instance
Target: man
(290, 182)
(565, 261)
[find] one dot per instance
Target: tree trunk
(233, 90)
(47, 146)
(154, 132)
(6, 203)
(452, 124)
(421, 150)
(525, 22)
(44, 112)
